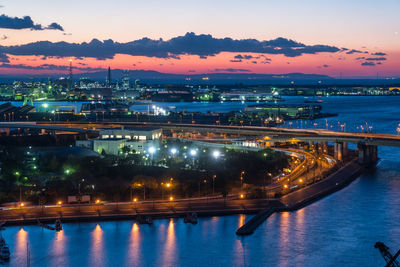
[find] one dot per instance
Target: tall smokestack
(108, 82)
(70, 74)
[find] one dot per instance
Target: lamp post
(151, 151)
(173, 151)
(242, 173)
(193, 153)
(213, 179)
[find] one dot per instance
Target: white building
(111, 141)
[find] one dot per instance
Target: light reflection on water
(169, 249)
(59, 249)
(133, 255)
(96, 250)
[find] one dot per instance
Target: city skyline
(206, 37)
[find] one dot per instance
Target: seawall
(307, 195)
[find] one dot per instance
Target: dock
(249, 227)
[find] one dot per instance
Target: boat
(108, 107)
(4, 250)
(149, 220)
(58, 225)
(319, 100)
(145, 220)
(191, 218)
(5, 253)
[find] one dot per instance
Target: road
(308, 171)
(274, 132)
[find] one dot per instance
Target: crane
(387, 256)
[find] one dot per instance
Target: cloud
(360, 58)
(4, 37)
(26, 22)
(248, 57)
(46, 67)
(376, 58)
(236, 60)
(379, 54)
(4, 58)
(244, 57)
(254, 62)
(189, 44)
(55, 26)
(368, 64)
(231, 70)
(353, 51)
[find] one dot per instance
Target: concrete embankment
(249, 227)
(129, 211)
(212, 207)
(334, 182)
(306, 195)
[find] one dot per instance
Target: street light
(152, 150)
(193, 153)
(242, 173)
(171, 198)
(216, 154)
(174, 151)
(59, 202)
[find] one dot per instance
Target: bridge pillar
(338, 151)
(345, 149)
(367, 154)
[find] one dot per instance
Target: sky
(339, 38)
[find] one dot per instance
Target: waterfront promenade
(206, 206)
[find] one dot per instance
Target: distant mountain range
(232, 76)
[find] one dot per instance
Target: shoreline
(217, 207)
(306, 196)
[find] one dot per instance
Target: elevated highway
(274, 133)
(367, 142)
(42, 126)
